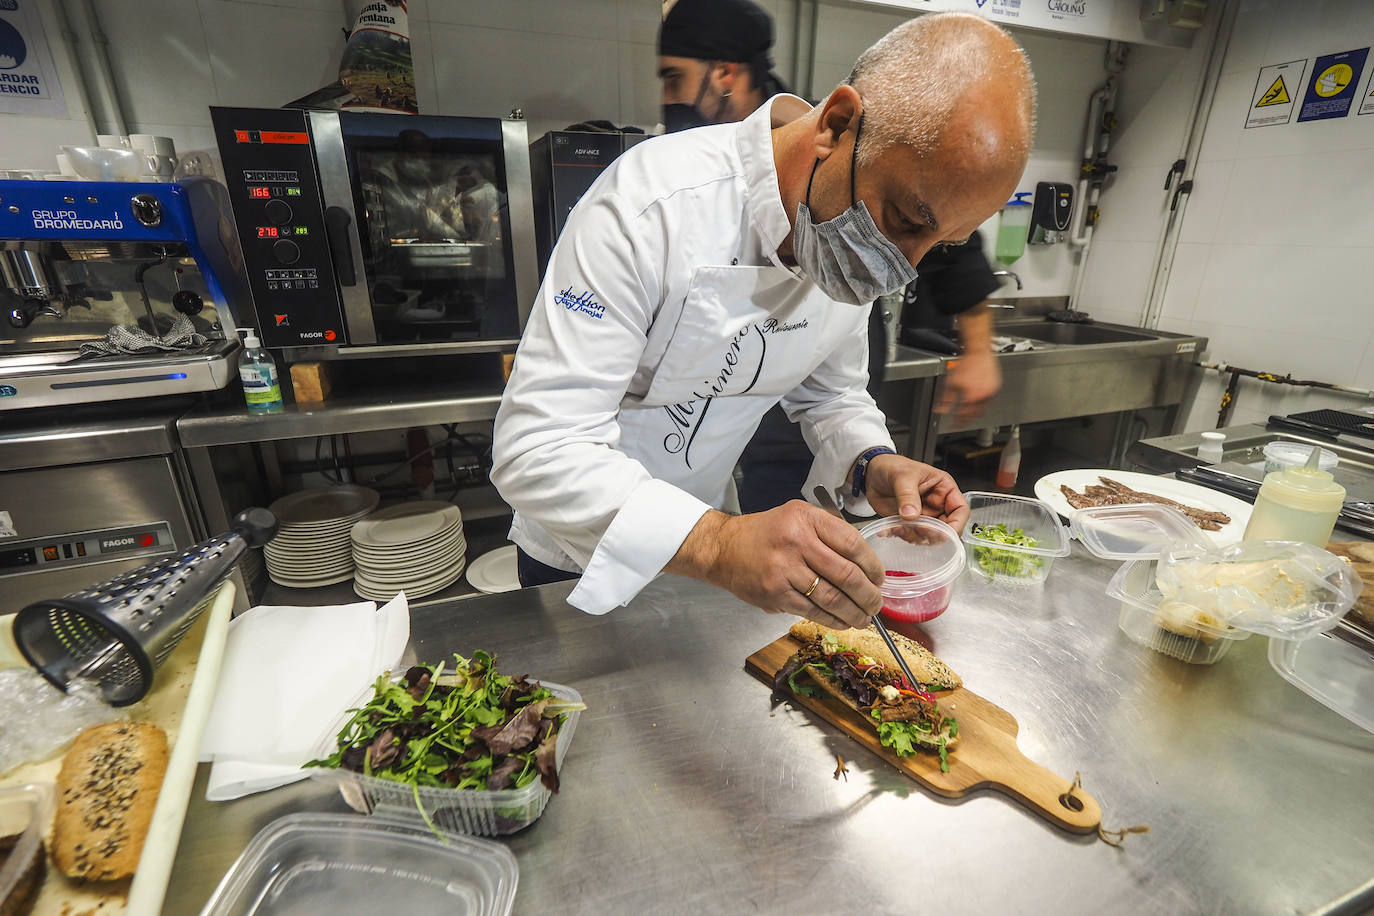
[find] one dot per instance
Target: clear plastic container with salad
(1012, 539)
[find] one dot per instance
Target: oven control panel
(274, 191)
(82, 548)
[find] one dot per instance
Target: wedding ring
(814, 582)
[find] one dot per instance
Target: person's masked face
(848, 257)
(683, 115)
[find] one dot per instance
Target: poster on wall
(1272, 102)
(1331, 86)
(28, 79)
(1093, 17)
(1367, 96)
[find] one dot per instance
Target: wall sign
(1367, 104)
(28, 79)
(1331, 85)
(1272, 102)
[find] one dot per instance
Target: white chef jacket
(665, 328)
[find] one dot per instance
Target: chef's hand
(899, 486)
(795, 559)
(972, 382)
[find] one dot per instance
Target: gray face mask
(848, 257)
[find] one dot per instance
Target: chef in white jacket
(710, 274)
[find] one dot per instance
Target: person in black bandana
(714, 63)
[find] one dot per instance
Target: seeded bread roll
(107, 790)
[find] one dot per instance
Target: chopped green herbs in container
(461, 726)
(1010, 563)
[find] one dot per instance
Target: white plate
(323, 505)
(408, 558)
(495, 571)
(412, 572)
(416, 549)
(291, 582)
(419, 590)
(406, 523)
(1190, 494)
(443, 574)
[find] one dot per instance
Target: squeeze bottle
(1297, 504)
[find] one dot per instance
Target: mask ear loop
(701, 90)
(853, 166)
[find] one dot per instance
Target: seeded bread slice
(107, 790)
(929, 670)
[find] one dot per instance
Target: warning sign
(1367, 105)
(1272, 101)
(1331, 88)
(1277, 94)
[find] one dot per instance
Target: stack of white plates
(415, 547)
(312, 546)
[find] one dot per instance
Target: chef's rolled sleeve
(556, 457)
(839, 419)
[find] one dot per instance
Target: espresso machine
(78, 258)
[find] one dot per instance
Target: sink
(1075, 334)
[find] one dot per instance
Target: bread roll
(107, 790)
(929, 670)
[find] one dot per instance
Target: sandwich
(856, 669)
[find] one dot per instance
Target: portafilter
(119, 632)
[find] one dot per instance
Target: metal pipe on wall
(94, 68)
(1186, 166)
(71, 41)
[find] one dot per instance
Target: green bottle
(1013, 228)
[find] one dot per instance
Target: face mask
(682, 116)
(848, 257)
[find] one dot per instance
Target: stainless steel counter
(685, 792)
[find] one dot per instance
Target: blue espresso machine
(80, 257)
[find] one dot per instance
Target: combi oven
(376, 234)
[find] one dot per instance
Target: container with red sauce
(922, 559)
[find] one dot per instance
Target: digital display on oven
(267, 232)
(259, 192)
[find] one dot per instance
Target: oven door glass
(434, 224)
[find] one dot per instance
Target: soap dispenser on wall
(1050, 213)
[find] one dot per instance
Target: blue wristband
(861, 468)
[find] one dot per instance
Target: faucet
(1007, 273)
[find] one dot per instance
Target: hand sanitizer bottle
(258, 372)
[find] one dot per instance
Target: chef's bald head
(943, 72)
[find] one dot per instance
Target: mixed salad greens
(458, 727)
(1014, 563)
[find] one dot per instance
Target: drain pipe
(1180, 177)
(94, 67)
(1095, 170)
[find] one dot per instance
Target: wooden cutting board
(1361, 557)
(985, 757)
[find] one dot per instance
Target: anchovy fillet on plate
(1112, 493)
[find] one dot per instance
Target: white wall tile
(1116, 278)
(638, 21)
(640, 98)
(266, 61)
(1133, 205)
(1282, 288)
(1203, 207)
(1156, 96)
(1318, 197)
(1226, 124)
(598, 19)
(473, 68)
(163, 73)
(1185, 281)
(422, 55)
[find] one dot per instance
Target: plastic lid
(1293, 454)
(1032, 517)
(250, 338)
(1214, 437)
(1017, 201)
(1134, 583)
(925, 554)
(1334, 670)
(321, 863)
(1135, 532)
(1308, 487)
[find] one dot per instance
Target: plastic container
(258, 372)
(1297, 504)
(24, 812)
(348, 866)
(1006, 562)
(1211, 449)
(1136, 532)
(1280, 455)
(470, 811)
(923, 558)
(1013, 227)
(1187, 638)
(1336, 669)
(94, 163)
